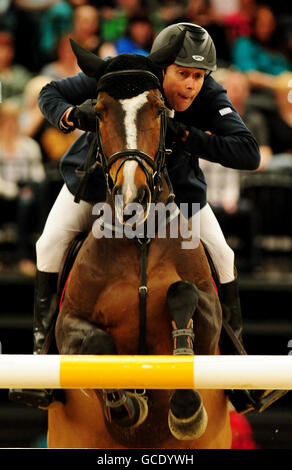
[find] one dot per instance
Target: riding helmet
(198, 49)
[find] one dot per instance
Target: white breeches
(221, 253)
(68, 218)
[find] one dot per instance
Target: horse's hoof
(189, 427)
(131, 413)
(143, 409)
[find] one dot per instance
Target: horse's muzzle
(132, 206)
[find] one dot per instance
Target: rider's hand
(177, 132)
(83, 116)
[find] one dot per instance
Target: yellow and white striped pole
(146, 372)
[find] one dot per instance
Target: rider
(205, 125)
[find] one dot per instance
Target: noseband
(157, 164)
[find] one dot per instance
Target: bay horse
(112, 277)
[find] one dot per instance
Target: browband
(102, 79)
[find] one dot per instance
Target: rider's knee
(226, 253)
(223, 259)
(220, 251)
(44, 244)
(50, 250)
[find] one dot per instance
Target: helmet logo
(198, 57)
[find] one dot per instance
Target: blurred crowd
(254, 49)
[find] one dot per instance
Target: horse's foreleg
(75, 335)
(187, 417)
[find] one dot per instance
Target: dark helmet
(198, 49)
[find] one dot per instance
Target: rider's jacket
(230, 143)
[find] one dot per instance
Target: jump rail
(146, 372)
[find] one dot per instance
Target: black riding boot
(231, 309)
(45, 305)
(231, 343)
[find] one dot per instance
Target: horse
(137, 295)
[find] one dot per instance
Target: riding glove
(176, 133)
(83, 116)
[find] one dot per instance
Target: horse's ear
(89, 63)
(166, 55)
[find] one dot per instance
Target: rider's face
(181, 85)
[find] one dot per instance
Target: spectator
(237, 216)
(28, 32)
(170, 12)
(7, 16)
(115, 20)
(139, 37)
(107, 49)
(223, 185)
(52, 141)
(66, 63)
(280, 124)
(202, 12)
(55, 22)
(258, 55)
(21, 178)
(32, 5)
(271, 191)
(86, 25)
(239, 22)
(225, 8)
(4, 6)
(284, 21)
(13, 77)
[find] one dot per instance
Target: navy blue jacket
(231, 144)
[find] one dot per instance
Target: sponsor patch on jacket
(224, 111)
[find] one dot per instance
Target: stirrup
(38, 398)
(246, 400)
(265, 398)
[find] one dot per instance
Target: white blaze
(131, 107)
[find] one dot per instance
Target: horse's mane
(122, 87)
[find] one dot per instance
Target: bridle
(157, 165)
(154, 181)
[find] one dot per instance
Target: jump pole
(146, 372)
